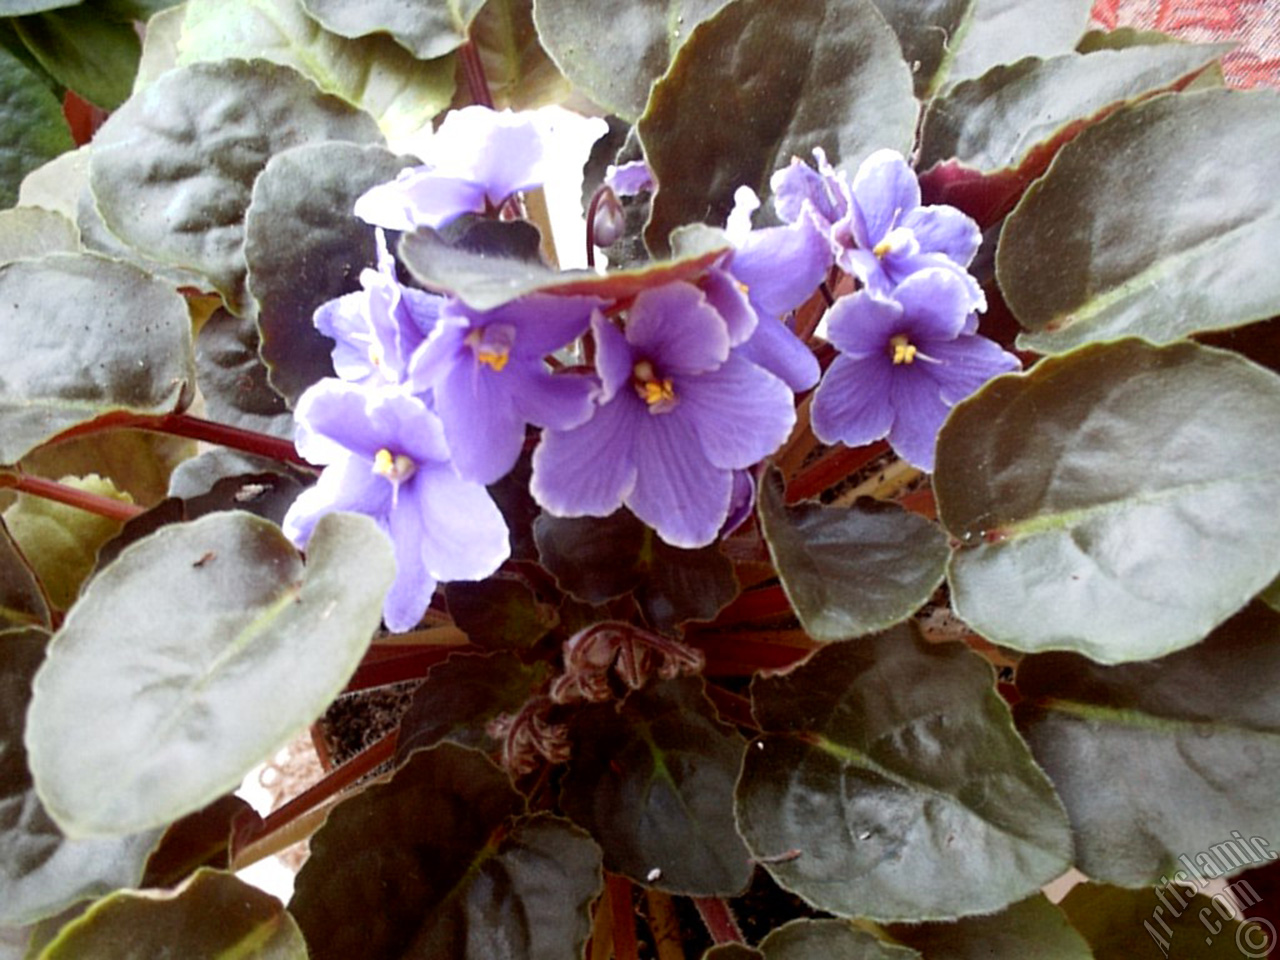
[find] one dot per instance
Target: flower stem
(81, 499)
(473, 70)
(664, 924)
(193, 428)
(719, 919)
(623, 913)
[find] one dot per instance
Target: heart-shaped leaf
(499, 613)
(1161, 760)
(927, 31)
(1029, 928)
(852, 570)
(891, 784)
(213, 914)
(1115, 501)
(829, 940)
(81, 336)
(233, 378)
(653, 782)
(41, 871)
(138, 462)
(761, 82)
(29, 232)
(520, 74)
(426, 28)
(1119, 238)
(994, 32)
(32, 129)
(202, 649)
(172, 170)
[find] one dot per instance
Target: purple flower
(385, 456)
(905, 362)
(678, 414)
(629, 179)
(378, 327)
(476, 160)
(488, 379)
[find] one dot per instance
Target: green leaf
(614, 54)
(926, 31)
(233, 378)
(1029, 928)
(1188, 748)
(171, 170)
(143, 10)
(598, 559)
(374, 73)
(484, 281)
(93, 55)
(829, 940)
(29, 232)
(61, 542)
(986, 140)
(761, 82)
(850, 571)
(32, 128)
(1123, 924)
(500, 612)
(462, 695)
(1115, 501)
(138, 462)
(520, 74)
(652, 780)
(200, 839)
(160, 45)
(1118, 237)
(214, 914)
(41, 871)
(201, 650)
(1271, 595)
(436, 867)
(22, 600)
(304, 247)
(56, 184)
(20, 8)
(995, 32)
(81, 336)
(426, 28)
(892, 784)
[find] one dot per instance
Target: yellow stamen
(883, 248)
(396, 468)
(658, 393)
(903, 350)
(493, 358)
(743, 287)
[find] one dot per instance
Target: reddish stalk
(382, 671)
(750, 605)
(80, 499)
(625, 946)
(831, 468)
(473, 71)
(193, 428)
(719, 919)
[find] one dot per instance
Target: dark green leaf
(849, 571)
(172, 169)
(1271, 595)
(41, 871)
(32, 128)
(233, 378)
(995, 32)
(993, 136)
(304, 247)
(213, 915)
(202, 649)
(598, 559)
(1165, 758)
(1124, 924)
(200, 839)
(462, 695)
(374, 73)
(829, 940)
(520, 74)
(426, 28)
(761, 82)
(927, 30)
(1030, 928)
(499, 613)
(1119, 236)
(484, 282)
(134, 9)
(81, 336)
(653, 782)
(138, 462)
(20, 8)
(1115, 501)
(93, 55)
(613, 53)
(22, 601)
(29, 232)
(433, 866)
(892, 784)
(59, 541)
(199, 474)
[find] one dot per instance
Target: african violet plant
(889, 528)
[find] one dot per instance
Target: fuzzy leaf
(501, 612)
(520, 74)
(1029, 928)
(1115, 501)
(29, 232)
(202, 649)
(426, 28)
(891, 784)
(995, 32)
(233, 378)
(761, 82)
(850, 571)
(927, 31)
(32, 128)
(829, 940)
(138, 462)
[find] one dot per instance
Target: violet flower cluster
(693, 382)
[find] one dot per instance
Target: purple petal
(628, 179)
(935, 304)
(678, 492)
(945, 230)
(348, 483)
(557, 401)
(404, 425)
(421, 309)
(965, 364)
(861, 324)
(500, 150)
(775, 348)
(799, 188)
(589, 470)
(438, 354)
(614, 359)
(884, 191)
(544, 323)
(411, 591)
(484, 431)
(741, 501)
(464, 536)
(674, 327)
(420, 197)
(729, 298)
(918, 415)
(782, 266)
(739, 413)
(853, 404)
(332, 422)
